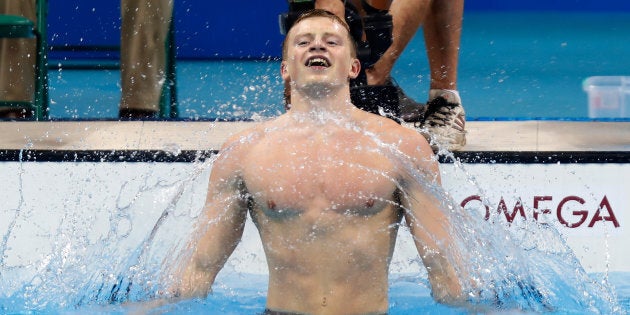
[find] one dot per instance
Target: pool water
(513, 65)
(239, 294)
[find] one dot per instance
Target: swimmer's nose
(317, 45)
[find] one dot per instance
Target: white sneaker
(444, 121)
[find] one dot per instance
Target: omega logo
(542, 205)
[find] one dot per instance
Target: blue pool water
(241, 294)
(246, 295)
(513, 65)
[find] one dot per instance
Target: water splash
(92, 246)
(123, 252)
(523, 265)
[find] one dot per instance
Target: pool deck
(487, 136)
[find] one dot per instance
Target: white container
(608, 96)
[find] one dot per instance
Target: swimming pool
(513, 65)
(507, 72)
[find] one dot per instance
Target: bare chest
(342, 177)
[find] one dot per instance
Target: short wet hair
(321, 13)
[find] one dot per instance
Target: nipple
(369, 203)
(271, 205)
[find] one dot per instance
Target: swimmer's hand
(159, 305)
(513, 293)
(146, 307)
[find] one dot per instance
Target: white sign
(45, 203)
(588, 203)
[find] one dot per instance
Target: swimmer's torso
(327, 191)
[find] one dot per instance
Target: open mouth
(318, 62)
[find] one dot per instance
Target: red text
(570, 211)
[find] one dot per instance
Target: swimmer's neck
(335, 102)
(323, 114)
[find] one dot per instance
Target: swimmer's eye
(302, 43)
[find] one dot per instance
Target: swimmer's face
(319, 50)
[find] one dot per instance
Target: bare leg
(377, 4)
(143, 53)
(445, 118)
(380, 4)
(442, 33)
(407, 17)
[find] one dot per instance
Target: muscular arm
(219, 230)
(431, 229)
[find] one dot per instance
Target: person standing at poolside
(144, 30)
(326, 197)
(445, 117)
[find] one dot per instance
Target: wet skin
(324, 191)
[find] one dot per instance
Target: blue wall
(240, 29)
(204, 29)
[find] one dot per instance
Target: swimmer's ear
(284, 72)
(355, 68)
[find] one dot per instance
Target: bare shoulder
(245, 139)
(233, 152)
(407, 140)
